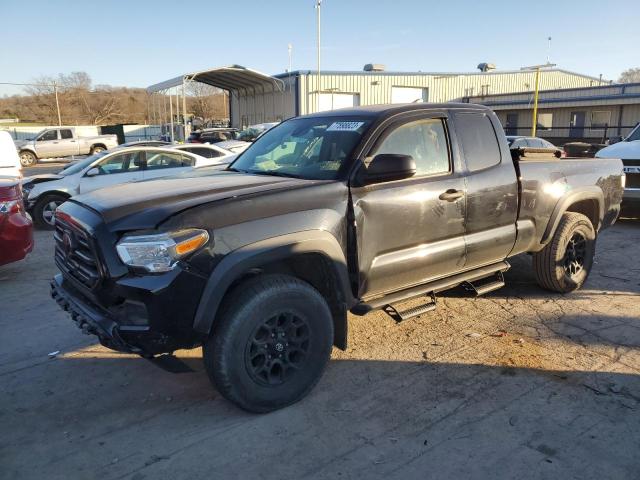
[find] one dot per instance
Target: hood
(622, 150)
(44, 177)
(145, 204)
(21, 143)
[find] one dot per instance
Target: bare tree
(80, 102)
(631, 75)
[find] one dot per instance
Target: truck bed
(548, 182)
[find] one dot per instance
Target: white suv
(44, 193)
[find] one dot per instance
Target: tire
(44, 208)
(247, 364)
(96, 149)
(563, 265)
(28, 158)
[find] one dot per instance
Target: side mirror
(387, 167)
(92, 172)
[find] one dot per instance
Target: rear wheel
(27, 158)
(44, 210)
(563, 265)
(271, 343)
(97, 149)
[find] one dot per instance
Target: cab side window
(66, 134)
(49, 135)
(425, 140)
(478, 139)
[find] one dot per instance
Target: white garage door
(408, 94)
(331, 101)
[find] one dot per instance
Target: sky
(137, 43)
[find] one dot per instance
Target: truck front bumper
(93, 319)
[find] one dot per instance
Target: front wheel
(563, 265)
(44, 210)
(271, 343)
(27, 158)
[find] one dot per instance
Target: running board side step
(367, 305)
(401, 316)
(481, 289)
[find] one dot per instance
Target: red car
(16, 228)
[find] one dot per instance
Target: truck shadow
(403, 414)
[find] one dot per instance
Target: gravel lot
(518, 384)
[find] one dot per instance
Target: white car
(44, 193)
(234, 146)
(215, 154)
(9, 161)
(628, 150)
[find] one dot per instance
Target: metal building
(304, 92)
(590, 114)
(255, 97)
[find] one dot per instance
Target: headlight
(159, 253)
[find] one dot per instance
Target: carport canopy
(231, 78)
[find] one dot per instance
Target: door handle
(451, 195)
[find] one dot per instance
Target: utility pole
(318, 4)
(534, 119)
(55, 91)
(290, 48)
(549, 50)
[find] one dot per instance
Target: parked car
(216, 154)
(582, 149)
(533, 146)
(9, 161)
(252, 132)
(144, 143)
(44, 193)
(349, 210)
(16, 228)
(62, 142)
(212, 135)
(235, 146)
(629, 151)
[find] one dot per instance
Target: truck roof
(383, 110)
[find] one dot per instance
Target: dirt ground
(518, 384)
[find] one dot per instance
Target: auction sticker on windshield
(344, 126)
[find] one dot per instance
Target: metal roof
(434, 74)
(232, 78)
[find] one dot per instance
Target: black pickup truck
(344, 211)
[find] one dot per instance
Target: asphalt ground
(520, 383)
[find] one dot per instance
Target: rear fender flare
(585, 193)
(237, 263)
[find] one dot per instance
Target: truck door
(113, 170)
(492, 189)
(47, 144)
(68, 144)
(411, 231)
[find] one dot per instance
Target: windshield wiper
(232, 169)
(273, 173)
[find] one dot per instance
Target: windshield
(310, 148)
(81, 164)
(634, 135)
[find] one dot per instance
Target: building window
(600, 119)
(545, 121)
(484, 90)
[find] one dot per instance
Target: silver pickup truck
(61, 142)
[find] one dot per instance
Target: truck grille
(74, 254)
(633, 180)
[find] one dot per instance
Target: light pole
(318, 4)
(290, 48)
(537, 68)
